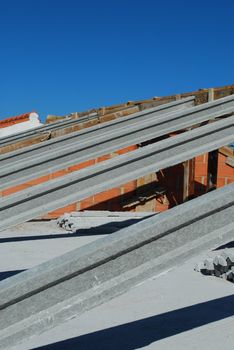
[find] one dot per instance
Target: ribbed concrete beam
(97, 131)
(43, 129)
(66, 286)
(57, 193)
(63, 156)
(165, 108)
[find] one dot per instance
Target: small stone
(229, 276)
(220, 264)
(208, 264)
(230, 259)
(199, 266)
(208, 267)
(224, 275)
(217, 273)
(224, 254)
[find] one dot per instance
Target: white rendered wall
(33, 122)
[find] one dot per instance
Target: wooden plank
(212, 168)
(188, 186)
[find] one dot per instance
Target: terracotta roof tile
(14, 120)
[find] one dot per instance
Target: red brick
(25, 185)
(107, 118)
(225, 170)
(104, 196)
(201, 179)
(37, 181)
(103, 158)
(229, 181)
(127, 149)
(81, 165)
(221, 158)
(141, 182)
(59, 173)
(56, 213)
(161, 207)
(200, 159)
(200, 169)
(86, 203)
(198, 179)
(221, 181)
(90, 123)
(14, 189)
(129, 187)
(206, 157)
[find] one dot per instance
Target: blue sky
(61, 56)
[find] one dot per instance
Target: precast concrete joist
(61, 124)
(165, 108)
(68, 285)
(44, 163)
(95, 132)
(57, 193)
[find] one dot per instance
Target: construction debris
(106, 221)
(220, 266)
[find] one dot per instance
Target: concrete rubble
(219, 266)
(106, 221)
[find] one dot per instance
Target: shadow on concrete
(226, 245)
(7, 274)
(138, 334)
(104, 229)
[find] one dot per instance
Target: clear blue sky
(61, 56)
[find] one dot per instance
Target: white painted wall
(33, 122)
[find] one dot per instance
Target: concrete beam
(57, 193)
(59, 128)
(97, 142)
(66, 286)
(216, 107)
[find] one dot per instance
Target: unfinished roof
(62, 288)
(78, 185)
(72, 283)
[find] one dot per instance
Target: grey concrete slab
(32, 243)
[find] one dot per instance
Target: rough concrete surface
(32, 243)
(176, 310)
(180, 309)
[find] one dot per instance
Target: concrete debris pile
(103, 221)
(220, 266)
